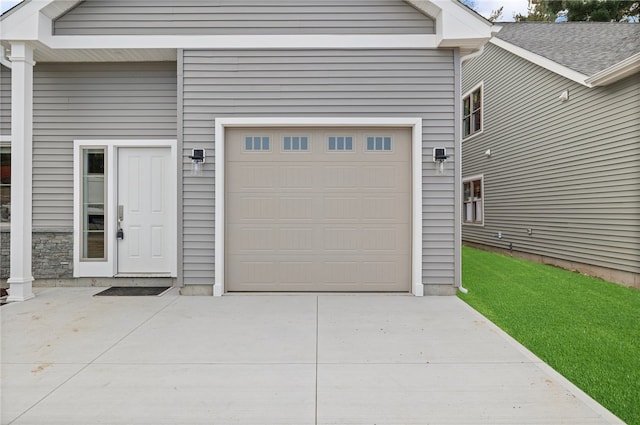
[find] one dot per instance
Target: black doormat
(133, 291)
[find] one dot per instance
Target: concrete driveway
(71, 358)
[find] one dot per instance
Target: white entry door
(144, 211)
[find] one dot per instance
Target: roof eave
(617, 72)
(456, 25)
(546, 63)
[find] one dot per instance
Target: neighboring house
(551, 146)
(312, 126)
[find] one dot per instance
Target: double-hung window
(473, 209)
(472, 112)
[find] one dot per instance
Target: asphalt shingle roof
(586, 47)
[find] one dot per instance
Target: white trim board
(455, 27)
(543, 62)
(417, 288)
(109, 268)
(302, 41)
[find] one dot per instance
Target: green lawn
(585, 328)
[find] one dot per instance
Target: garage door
(322, 210)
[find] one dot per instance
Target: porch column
(20, 275)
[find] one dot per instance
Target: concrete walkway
(70, 358)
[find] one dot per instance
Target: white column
(20, 276)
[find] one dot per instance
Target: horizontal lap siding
(5, 101)
(92, 101)
(356, 83)
(568, 171)
(244, 17)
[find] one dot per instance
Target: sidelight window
(93, 200)
(5, 184)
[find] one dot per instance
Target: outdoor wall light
(197, 159)
(440, 157)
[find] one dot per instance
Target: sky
(7, 4)
(484, 7)
(511, 7)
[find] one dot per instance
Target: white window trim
(417, 287)
(468, 179)
(5, 141)
(109, 268)
(476, 87)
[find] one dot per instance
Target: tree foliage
(496, 14)
(581, 10)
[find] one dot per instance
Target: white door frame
(417, 288)
(109, 267)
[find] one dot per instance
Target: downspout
(470, 56)
(3, 58)
(458, 176)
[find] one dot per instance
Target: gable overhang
(543, 62)
(617, 72)
(32, 22)
(456, 25)
(605, 77)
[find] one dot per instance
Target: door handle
(120, 232)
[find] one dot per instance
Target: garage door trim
(415, 124)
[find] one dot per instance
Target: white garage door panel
(319, 220)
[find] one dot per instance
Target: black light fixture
(197, 159)
(440, 157)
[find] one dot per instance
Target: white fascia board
(404, 41)
(456, 26)
(57, 8)
(24, 24)
(548, 64)
(617, 72)
(462, 28)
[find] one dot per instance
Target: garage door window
(295, 144)
(340, 143)
(257, 143)
(378, 144)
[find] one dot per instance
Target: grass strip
(585, 328)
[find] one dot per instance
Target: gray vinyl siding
(5, 101)
(91, 101)
(246, 17)
(321, 83)
(568, 171)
